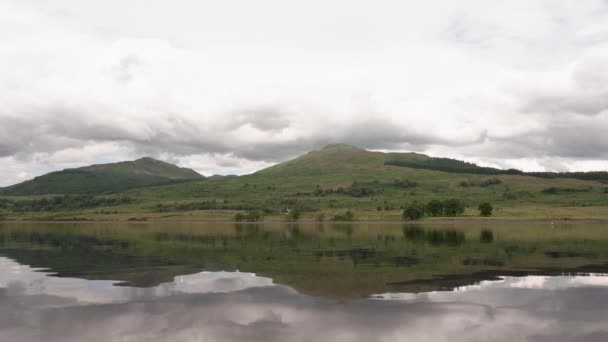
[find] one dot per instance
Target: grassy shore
(506, 213)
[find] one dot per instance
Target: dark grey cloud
(58, 127)
(581, 138)
(574, 102)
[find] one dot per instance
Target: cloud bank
(237, 86)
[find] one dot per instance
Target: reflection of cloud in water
(505, 283)
(228, 306)
(26, 281)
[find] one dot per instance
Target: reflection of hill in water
(236, 306)
(335, 261)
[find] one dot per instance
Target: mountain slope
(335, 178)
(343, 176)
(104, 178)
(337, 159)
(342, 158)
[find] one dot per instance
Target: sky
(233, 86)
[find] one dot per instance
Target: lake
(303, 282)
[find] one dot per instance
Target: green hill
(330, 180)
(104, 178)
(343, 176)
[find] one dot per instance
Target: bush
(320, 217)
(295, 214)
(238, 217)
(485, 209)
(253, 216)
(555, 190)
(347, 216)
(413, 211)
(453, 207)
(404, 183)
(489, 182)
(67, 202)
(434, 208)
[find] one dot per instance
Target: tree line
(65, 202)
(449, 207)
(458, 166)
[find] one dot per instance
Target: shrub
(347, 216)
(238, 217)
(404, 183)
(453, 207)
(253, 216)
(434, 208)
(413, 211)
(489, 182)
(485, 209)
(295, 214)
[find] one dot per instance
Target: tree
(295, 214)
(434, 208)
(414, 211)
(453, 207)
(253, 216)
(238, 217)
(485, 209)
(347, 216)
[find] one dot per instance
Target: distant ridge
(333, 165)
(104, 178)
(344, 158)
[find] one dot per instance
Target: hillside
(329, 180)
(343, 176)
(104, 178)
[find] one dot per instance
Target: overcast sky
(233, 86)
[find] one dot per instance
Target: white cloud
(263, 81)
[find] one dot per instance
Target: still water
(365, 282)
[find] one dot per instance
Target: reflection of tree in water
(294, 254)
(449, 237)
(486, 236)
(345, 228)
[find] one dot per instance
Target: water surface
(224, 282)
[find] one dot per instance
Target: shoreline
(422, 222)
